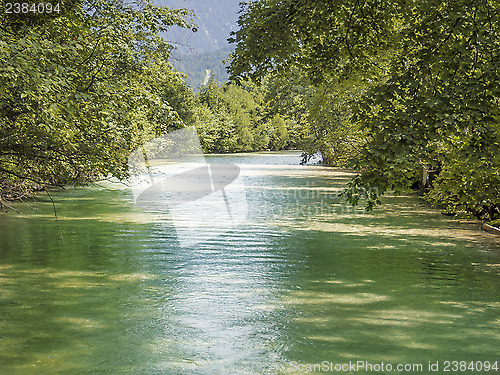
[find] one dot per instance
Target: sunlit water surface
(107, 289)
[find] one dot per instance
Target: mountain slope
(198, 67)
(216, 19)
(201, 54)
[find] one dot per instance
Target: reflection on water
(106, 288)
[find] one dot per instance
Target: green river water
(107, 289)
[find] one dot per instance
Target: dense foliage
(79, 89)
(235, 118)
(417, 82)
(82, 88)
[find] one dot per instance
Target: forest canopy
(81, 88)
(419, 82)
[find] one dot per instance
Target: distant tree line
(241, 118)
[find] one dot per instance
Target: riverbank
(495, 229)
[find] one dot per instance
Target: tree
(215, 129)
(79, 90)
(330, 130)
(430, 113)
(278, 135)
(323, 38)
(236, 107)
(438, 111)
(288, 96)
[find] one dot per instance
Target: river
(107, 288)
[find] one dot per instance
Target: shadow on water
(107, 289)
(74, 294)
(398, 305)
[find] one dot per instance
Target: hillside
(200, 66)
(216, 19)
(200, 54)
